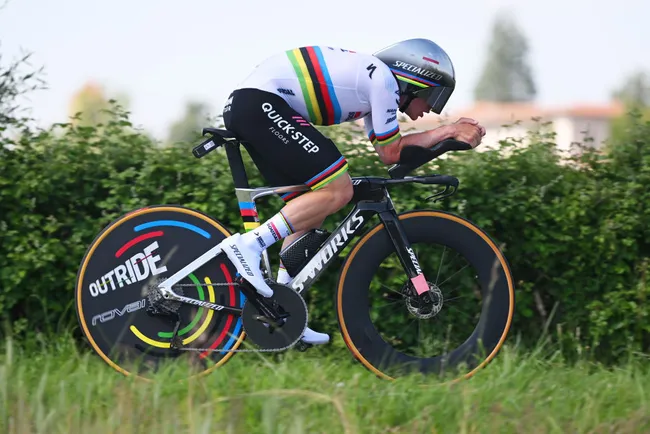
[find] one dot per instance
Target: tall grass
(59, 389)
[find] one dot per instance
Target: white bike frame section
(243, 195)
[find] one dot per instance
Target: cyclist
(276, 107)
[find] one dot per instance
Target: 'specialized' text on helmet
(422, 69)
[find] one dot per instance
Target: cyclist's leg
(286, 147)
(288, 151)
(275, 178)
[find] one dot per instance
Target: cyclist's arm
(384, 142)
(381, 124)
(390, 154)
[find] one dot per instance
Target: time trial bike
(421, 291)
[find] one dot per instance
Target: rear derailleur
(168, 309)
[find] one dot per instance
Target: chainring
(268, 337)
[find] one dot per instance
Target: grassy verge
(62, 390)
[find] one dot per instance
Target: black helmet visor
(435, 96)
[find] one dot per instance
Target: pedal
(259, 315)
(302, 346)
(176, 343)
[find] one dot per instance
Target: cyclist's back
(327, 85)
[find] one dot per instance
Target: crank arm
(171, 295)
(263, 305)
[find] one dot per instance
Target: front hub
(425, 305)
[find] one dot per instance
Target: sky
(164, 53)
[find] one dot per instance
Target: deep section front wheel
(472, 294)
(123, 263)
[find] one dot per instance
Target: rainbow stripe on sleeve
(386, 138)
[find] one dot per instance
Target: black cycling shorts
(284, 146)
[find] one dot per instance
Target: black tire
(458, 234)
(127, 338)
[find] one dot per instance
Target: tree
(506, 76)
(635, 90)
(15, 82)
(188, 128)
(634, 94)
(90, 105)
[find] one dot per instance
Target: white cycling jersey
(329, 86)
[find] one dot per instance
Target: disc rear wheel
(114, 296)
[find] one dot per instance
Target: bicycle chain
(260, 350)
(205, 284)
(201, 350)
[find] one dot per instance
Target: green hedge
(576, 235)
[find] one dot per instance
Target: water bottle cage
(298, 253)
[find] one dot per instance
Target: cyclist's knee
(341, 191)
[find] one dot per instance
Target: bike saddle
(217, 132)
(217, 138)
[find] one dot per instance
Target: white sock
(283, 275)
(272, 231)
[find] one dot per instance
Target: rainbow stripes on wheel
(128, 257)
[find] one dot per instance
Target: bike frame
(370, 198)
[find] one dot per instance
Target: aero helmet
(422, 69)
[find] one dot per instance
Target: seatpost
(237, 168)
(246, 204)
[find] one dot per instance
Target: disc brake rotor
(267, 335)
(423, 306)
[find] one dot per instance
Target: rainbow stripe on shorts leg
(286, 197)
(339, 167)
(336, 169)
(249, 215)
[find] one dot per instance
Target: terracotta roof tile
(492, 114)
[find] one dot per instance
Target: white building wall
(597, 129)
(564, 129)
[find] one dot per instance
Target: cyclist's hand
(473, 122)
(468, 133)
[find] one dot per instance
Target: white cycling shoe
(247, 263)
(314, 338)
